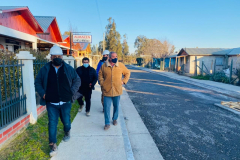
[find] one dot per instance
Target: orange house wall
(51, 37)
(15, 21)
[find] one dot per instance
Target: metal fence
(37, 65)
(227, 74)
(12, 97)
(75, 64)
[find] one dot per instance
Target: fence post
(163, 64)
(69, 60)
(185, 61)
(176, 64)
(226, 61)
(214, 69)
(195, 66)
(169, 66)
(28, 83)
(78, 61)
(230, 76)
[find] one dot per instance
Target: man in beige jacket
(111, 81)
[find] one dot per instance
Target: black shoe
(53, 149)
(66, 136)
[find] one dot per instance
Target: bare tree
(153, 47)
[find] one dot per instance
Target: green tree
(100, 47)
(125, 47)
(94, 50)
(113, 38)
(141, 44)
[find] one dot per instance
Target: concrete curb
(142, 143)
(127, 143)
(213, 88)
(227, 108)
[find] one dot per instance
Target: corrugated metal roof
(172, 56)
(234, 52)
(11, 7)
(44, 21)
(84, 46)
(207, 51)
(65, 36)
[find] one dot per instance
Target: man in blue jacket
(57, 84)
(101, 62)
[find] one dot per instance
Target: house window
(219, 61)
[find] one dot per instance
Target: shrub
(201, 77)
(38, 54)
(238, 75)
(220, 77)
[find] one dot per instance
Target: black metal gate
(12, 97)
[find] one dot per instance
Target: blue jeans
(107, 107)
(54, 112)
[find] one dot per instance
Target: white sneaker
(80, 109)
(88, 114)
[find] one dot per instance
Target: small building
(85, 50)
(208, 56)
(51, 33)
(169, 62)
(234, 56)
(18, 28)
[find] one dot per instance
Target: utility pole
(70, 43)
(103, 41)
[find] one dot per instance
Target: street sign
(82, 38)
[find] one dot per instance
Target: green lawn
(33, 142)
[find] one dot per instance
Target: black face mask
(104, 58)
(57, 61)
(114, 60)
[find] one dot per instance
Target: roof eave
(30, 14)
(59, 32)
(15, 9)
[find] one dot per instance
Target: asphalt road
(182, 119)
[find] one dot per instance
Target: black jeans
(54, 112)
(87, 93)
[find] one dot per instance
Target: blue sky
(185, 23)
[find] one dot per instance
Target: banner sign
(82, 38)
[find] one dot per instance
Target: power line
(99, 15)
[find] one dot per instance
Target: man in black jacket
(89, 79)
(57, 84)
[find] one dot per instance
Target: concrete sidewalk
(227, 89)
(129, 140)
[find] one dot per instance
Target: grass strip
(33, 142)
(201, 77)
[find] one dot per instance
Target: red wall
(15, 20)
